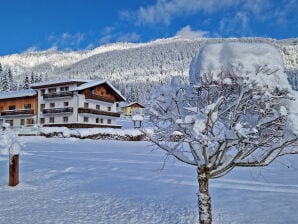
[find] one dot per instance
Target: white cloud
(187, 32)
(128, 37)
(110, 36)
(233, 16)
(66, 40)
(31, 49)
(163, 12)
(105, 39)
(235, 24)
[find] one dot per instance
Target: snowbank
(256, 60)
(93, 133)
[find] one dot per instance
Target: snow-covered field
(93, 181)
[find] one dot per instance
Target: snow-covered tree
(4, 82)
(11, 81)
(26, 82)
(237, 111)
(9, 142)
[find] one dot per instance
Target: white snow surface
(94, 181)
(245, 59)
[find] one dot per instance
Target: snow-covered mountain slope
(130, 65)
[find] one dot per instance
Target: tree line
(8, 81)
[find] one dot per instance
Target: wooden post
(14, 171)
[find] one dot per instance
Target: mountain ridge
(133, 67)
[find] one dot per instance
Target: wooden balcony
(17, 112)
(98, 112)
(58, 95)
(57, 110)
(99, 98)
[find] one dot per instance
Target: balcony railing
(57, 95)
(98, 112)
(58, 110)
(100, 98)
(17, 112)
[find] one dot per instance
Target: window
(109, 108)
(42, 106)
(117, 104)
(27, 106)
(42, 91)
(30, 121)
(102, 93)
(51, 119)
(65, 119)
(97, 107)
(86, 105)
(12, 107)
(64, 89)
(109, 121)
(52, 90)
(52, 105)
(101, 121)
(22, 123)
(42, 120)
(66, 104)
(97, 120)
(10, 122)
(85, 119)
(93, 91)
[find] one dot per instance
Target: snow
(85, 132)
(17, 94)
(61, 82)
(137, 117)
(255, 61)
(90, 181)
(293, 115)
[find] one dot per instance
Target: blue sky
(28, 25)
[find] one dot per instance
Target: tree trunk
(13, 171)
(204, 200)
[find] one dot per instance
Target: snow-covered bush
(9, 142)
(237, 111)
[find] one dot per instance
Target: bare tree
(229, 118)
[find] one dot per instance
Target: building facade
(18, 108)
(131, 108)
(75, 104)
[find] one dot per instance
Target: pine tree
(26, 82)
(32, 80)
(5, 85)
(12, 83)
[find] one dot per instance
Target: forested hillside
(133, 68)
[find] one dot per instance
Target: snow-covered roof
(137, 117)
(89, 84)
(244, 58)
(93, 83)
(128, 104)
(17, 94)
(57, 82)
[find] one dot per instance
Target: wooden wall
(100, 91)
(19, 103)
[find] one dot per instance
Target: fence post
(13, 171)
